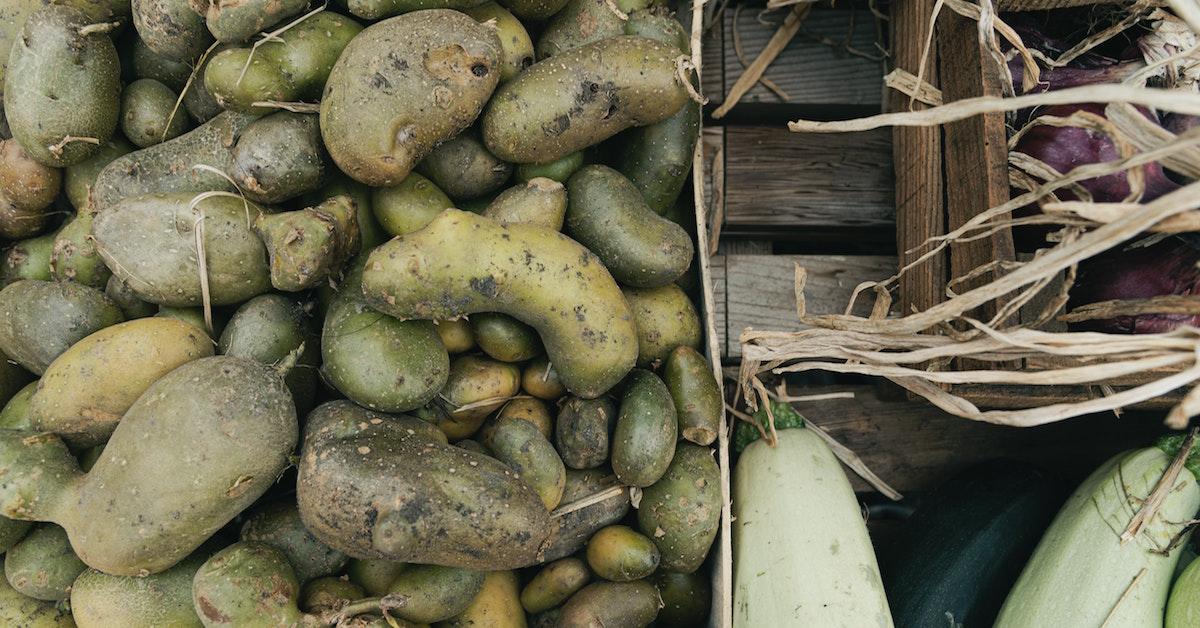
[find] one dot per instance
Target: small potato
(583, 431)
(238, 21)
(497, 604)
(27, 189)
(475, 388)
(456, 335)
(559, 170)
(626, 604)
(270, 328)
(78, 179)
(643, 442)
(99, 600)
(329, 593)
(532, 411)
(148, 114)
(247, 583)
(42, 565)
(369, 231)
(309, 246)
(522, 446)
(374, 575)
(619, 554)
(278, 157)
(404, 85)
(696, 394)
(131, 306)
(17, 609)
(74, 257)
(464, 169)
(540, 201)
(278, 524)
(148, 64)
(17, 413)
(665, 318)
(582, 22)
(554, 584)
(379, 9)
(541, 380)
(505, 338)
(409, 206)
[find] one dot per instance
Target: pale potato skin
(85, 391)
(42, 565)
(148, 114)
(473, 381)
(21, 610)
(402, 86)
(99, 600)
(524, 271)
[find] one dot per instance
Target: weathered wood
(914, 446)
(809, 71)
(778, 180)
(759, 290)
(917, 158)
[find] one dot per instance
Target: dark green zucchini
(955, 559)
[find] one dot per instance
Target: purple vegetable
(1165, 268)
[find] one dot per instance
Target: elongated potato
(582, 97)
(520, 445)
(581, 22)
(28, 259)
(682, 511)
(627, 604)
(696, 393)
(150, 243)
(643, 442)
(39, 320)
(63, 83)
(81, 396)
(278, 524)
(435, 593)
(409, 206)
(524, 271)
(403, 85)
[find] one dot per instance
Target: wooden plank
(777, 180)
(914, 446)
(716, 269)
(808, 71)
(917, 159)
(712, 50)
(760, 289)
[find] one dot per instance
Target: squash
(801, 552)
(1081, 574)
(1183, 607)
(957, 556)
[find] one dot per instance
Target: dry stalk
(908, 84)
(1162, 488)
(778, 41)
(741, 56)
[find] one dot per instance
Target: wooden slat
(760, 289)
(810, 72)
(914, 446)
(777, 180)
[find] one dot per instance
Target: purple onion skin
(1180, 123)
(1165, 268)
(1065, 148)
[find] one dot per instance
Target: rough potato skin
(85, 391)
(247, 583)
(404, 85)
(534, 9)
(525, 271)
(505, 338)
(13, 14)
(583, 430)
(666, 318)
(658, 158)
(74, 256)
(435, 593)
(279, 156)
(607, 214)
(522, 446)
(21, 610)
(238, 21)
(475, 388)
(39, 320)
(575, 528)
(464, 169)
(42, 565)
(148, 114)
(27, 189)
(682, 511)
(171, 28)
(61, 84)
(582, 97)
(149, 64)
(415, 498)
(99, 600)
(697, 396)
(28, 259)
(268, 328)
(79, 178)
(310, 246)
(582, 22)
(379, 9)
(643, 442)
(626, 604)
(687, 598)
(540, 201)
(149, 242)
(409, 206)
(278, 524)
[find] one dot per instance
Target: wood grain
(759, 290)
(780, 180)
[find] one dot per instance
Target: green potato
(505, 338)
(63, 83)
(42, 565)
(583, 431)
(370, 233)
(78, 179)
(21, 610)
(235, 22)
(290, 70)
(416, 498)
(541, 380)
(687, 598)
(379, 9)
(665, 319)
(28, 259)
(540, 201)
(559, 170)
(99, 600)
(329, 593)
(11, 532)
(522, 446)
(626, 604)
(13, 14)
(403, 86)
(515, 43)
(200, 103)
(456, 335)
(374, 575)
(657, 158)
(278, 524)
(525, 271)
(27, 191)
(658, 22)
(279, 156)
(308, 247)
(184, 461)
(435, 593)
(696, 393)
(463, 168)
(497, 604)
(194, 316)
(555, 583)
(619, 554)
(147, 64)
(546, 619)
(39, 320)
(148, 114)
(582, 22)
(581, 98)
(534, 9)
(607, 214)
(574, 528)
(131, 306)
(150, 243)
(409, 206)
(171, 28)
(17, 413)
(475, 388)
(270, 328)
(247, 584)
(74, 256)
(530, 410)
(82, 397)
(681, 512)
(643, 441)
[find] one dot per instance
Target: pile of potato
(367, 315)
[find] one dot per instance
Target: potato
(626, 604)
(198, 447)
(463, 168)
(74, 256)
(476, 387)
(294, 69)
(546, 619)
(505, 338)
(194, 316)
(147, 64)
(559, 170)
(62, 91)
(583, 97)
(583, 431)
(540, 201)
(131, 306)
(496, 605)
(696, 394)
(379, 9)
(99, 600)
(329, 593)
(409, 206)
(246, 584)
(435, 593)
(658, 22)
(456, 335)
(39, 320)
(13, 14)
(238, 21)
(534, 9)
(79, 178)
(530, 410)
(148, 114)
(374, 575)
(643, 442)
(515, 43)
(201, 105)
(20, 610)
(150, 243)
(687, 598)
(27, 190)
(278, 157)
(665, 318)
(417, 499)
(541, 380)
(171, 28)
(86, 390)
(42, 565)
(309, 246)
(619, 554)
(404, 85)
(657, 158)
(573, 529)
(270, 328)
(370, 233)
(607, 214)
(11, 532)
(17, 414)
(524, 271)
(682, 511)
(522, 446)
(28, 259)
(555, 583)
(278, 524)
(582, 22)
